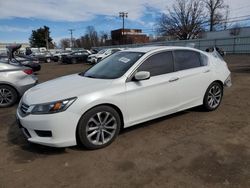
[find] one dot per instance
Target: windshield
(102, 51)
(113, 66)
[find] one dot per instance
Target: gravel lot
(187, 149)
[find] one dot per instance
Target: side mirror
(142, 75)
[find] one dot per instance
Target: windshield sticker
(124, 59)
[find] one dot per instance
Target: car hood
(63, 88)
(96, 55)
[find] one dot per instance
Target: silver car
(14, 81)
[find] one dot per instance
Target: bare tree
(93, 36)
(183, 21)
(103, 37)
(226, 18)
(65, 43)
(215, 10)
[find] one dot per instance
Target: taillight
(28, 71)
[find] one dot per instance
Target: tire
(74, 61)
(8, 96)
(90, 132)
(48, 60)
(213, 97)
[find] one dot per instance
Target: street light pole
(123, 15)
(71, 37)
(47, 38)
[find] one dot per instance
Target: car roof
(155, 48)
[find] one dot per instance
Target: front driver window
(161, 63)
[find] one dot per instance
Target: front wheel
(213, 97)
(74, 61)
(99, 127)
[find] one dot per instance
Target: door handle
(206, 71)
(173, 79)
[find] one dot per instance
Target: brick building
(130, 36)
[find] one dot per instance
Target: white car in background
(124, 89)
(94, 58)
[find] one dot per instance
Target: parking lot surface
(188, 149)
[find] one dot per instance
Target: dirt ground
(188, 149)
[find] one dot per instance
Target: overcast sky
(18, 18)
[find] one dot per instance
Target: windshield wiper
(90, 76)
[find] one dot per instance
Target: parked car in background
(44, 57)
(219, 50)
(124, 89)
(14, 81)
(94, 51)
(58, 55)
(28, 62)
(94, 58)
(76, 57)
(20, 59)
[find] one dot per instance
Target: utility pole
(123, 15)
(71, 37)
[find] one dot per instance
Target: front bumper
(92, 60)
(61, 125)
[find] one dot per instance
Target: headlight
(53, 107)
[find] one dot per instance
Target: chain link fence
(232, 45)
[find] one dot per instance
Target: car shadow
(15, 137)
(164, 118)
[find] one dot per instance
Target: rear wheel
(74, 61)
(213, 96)
(99, 127)
(8, 96)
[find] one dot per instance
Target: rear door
(194, 76)
(156, 96)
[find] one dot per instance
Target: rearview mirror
(142, 75)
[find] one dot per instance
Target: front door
(157, 96)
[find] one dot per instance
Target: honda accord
(124, 89)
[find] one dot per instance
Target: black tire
(8, 96)
(85, 121)
(214, 88)
(48, 60)
(74, 61)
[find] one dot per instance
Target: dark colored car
(44, 57)
(219, 50)
(76, 57)
(58, 55)
(29, 62)
(23, 60)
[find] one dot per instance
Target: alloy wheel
(101, 128)
(214, 96)
(6, 96)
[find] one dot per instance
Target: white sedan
(127, 88)
(95, 58)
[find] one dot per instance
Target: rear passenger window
(187, 59)
(158, 64)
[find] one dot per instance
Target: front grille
(24, 108)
